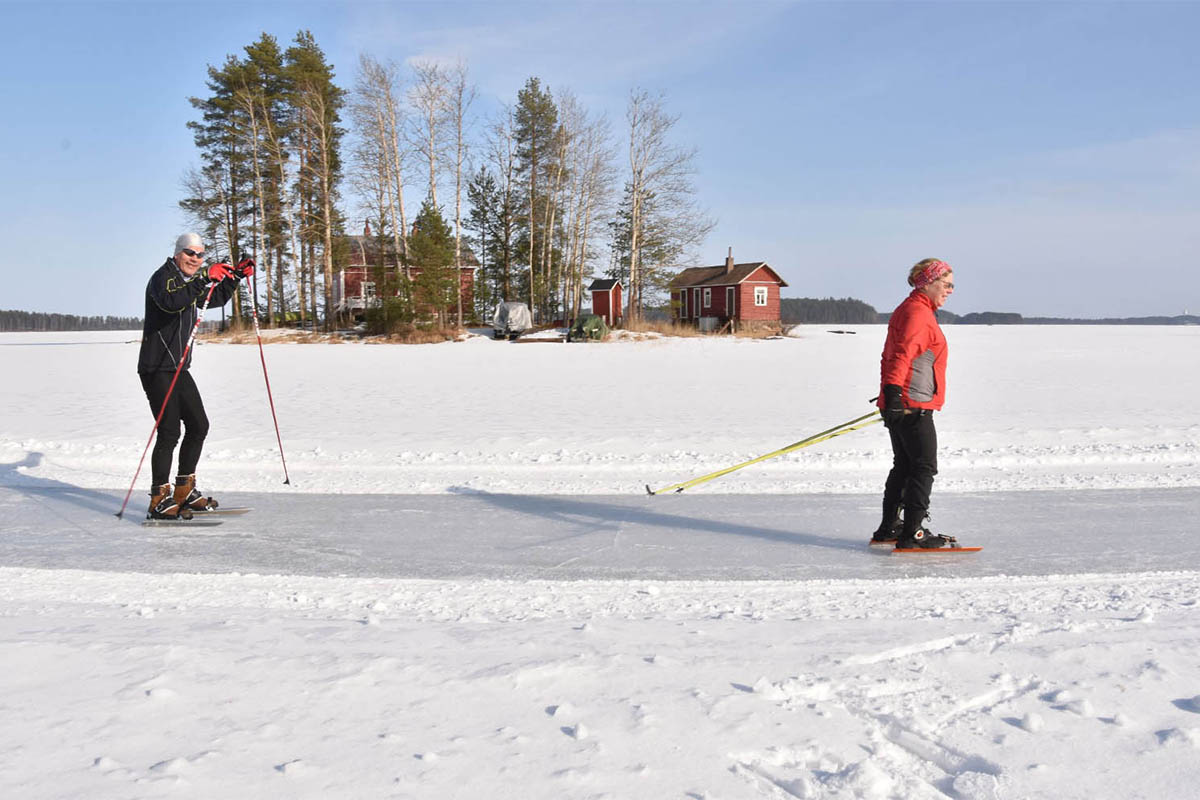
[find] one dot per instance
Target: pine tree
(222, 192)
(266, 93)
(536, 124)
(318, 136)
(431, 247)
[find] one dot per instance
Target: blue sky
(1050, 151)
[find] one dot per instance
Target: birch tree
(661, 171)
(379, 118)
(591, 158)
(460, 94)
(429, 97)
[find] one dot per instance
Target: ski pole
(171, 388)
(836, 430)
(263, 359)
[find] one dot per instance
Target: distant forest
(37, 321)
(1000, 318)
(797, 310)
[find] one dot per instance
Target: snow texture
(459, 596)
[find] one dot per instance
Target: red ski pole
(267, 380)
(171, 388)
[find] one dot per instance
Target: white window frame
(708, 298)
(730, 294)
(368, 290)
(761, 293)
(696, 303)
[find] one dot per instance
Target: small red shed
(606, 300)
(737, 295)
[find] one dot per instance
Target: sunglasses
(192, 253)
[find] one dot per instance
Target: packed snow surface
(465, 591)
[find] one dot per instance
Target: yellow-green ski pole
(836, 430)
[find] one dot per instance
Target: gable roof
(717, 276)
(369, 244)
(603, 284)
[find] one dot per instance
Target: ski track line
(902, 753)
(767, 785)
(944, 643)
(613, 545)
(988, 701)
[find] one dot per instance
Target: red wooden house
(354, 289)
(606, 300)
(738, 295)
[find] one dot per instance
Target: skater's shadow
(45, 490)
(589, 517)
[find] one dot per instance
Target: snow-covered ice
(465, 591)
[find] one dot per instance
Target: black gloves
(893, 405)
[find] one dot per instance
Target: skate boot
(923, 539)
(164, 506)
(187, 496)
(888, 532)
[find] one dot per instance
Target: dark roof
(603, 284)
(716, 276)
(369, 243)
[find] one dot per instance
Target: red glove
(219, 272)
(245, 268)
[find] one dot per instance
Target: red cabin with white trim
(354, 289)
(730, 294)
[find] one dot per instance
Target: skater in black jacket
(171, 309)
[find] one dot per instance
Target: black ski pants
(914, 463)
(184, 404)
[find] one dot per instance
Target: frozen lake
(557, 537)
(465, 592)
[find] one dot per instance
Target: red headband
(930, 274)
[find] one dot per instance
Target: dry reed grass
(687, 330)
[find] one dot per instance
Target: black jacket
(171, 310)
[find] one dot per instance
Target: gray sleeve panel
(921, 383)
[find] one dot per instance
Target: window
(760, 295)
(729, 309)
(369, 290)
(708, 298)
(695, 302)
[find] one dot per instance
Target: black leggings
(914, 463)
(185, 404)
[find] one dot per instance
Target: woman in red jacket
(912, 387)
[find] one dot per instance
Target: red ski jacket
(915, 353)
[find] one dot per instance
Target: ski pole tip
(649, 491)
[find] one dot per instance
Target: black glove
(893, 405)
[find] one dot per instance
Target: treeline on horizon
(1008, 318)
(37, 321)
(847, 310)
(793, 310)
